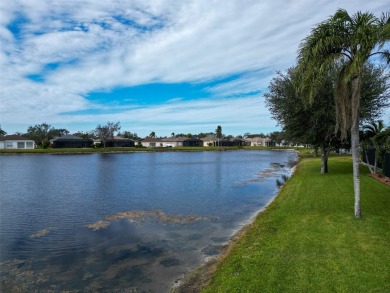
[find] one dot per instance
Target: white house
(210, 140)
(169, 142)
(151, 142)
(16, 142)
(259, 141)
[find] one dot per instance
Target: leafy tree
(315, 123)
(276, 137)
(53, 132)
(203, 134)
(189, 135)
(250, 135)
(353, 39)
(152, 134)
(40, 133)
(87, 134)
(128, 134)
(106, 132)
(310, 124)
(375, 92)
(2, 132)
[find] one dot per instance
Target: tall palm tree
(218, 133)
(352, 39)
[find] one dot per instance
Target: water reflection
(280, 182)
(116, 222)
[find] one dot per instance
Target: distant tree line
(44, 132)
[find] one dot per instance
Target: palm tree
(218, 133)
(377, 136)
(353, 40)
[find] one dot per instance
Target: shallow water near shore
(132, 222)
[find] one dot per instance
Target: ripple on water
(117, 223)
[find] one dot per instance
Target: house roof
(180, 138)
(209, 138)
(151, 139)
(238, 139)
(69, 137)
(169, 139)
(14, 137)
(259, 139)
(121, 138)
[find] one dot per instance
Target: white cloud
(234, 114)
(99, 45)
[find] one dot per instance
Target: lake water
(134, 222)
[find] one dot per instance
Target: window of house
(21, 145)
(29, 145)
(152, 144)
(9, 144)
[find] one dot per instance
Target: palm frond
(348, 38)
(341, 15)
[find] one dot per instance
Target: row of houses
(72, 141)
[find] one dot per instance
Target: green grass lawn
(308, 240)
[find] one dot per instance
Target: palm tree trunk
(355, 144)
(355, 162)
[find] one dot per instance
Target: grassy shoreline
(307, 239)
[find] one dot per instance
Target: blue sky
(163, 66)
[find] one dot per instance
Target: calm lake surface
(133, 222)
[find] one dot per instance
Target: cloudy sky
(163, 66)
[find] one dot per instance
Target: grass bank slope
(308, 240)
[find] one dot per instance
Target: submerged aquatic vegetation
(40, 233)
(98, 225)
(156, 216)
(19, 276)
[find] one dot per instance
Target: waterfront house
(190, 142)
(209, 140)
(224, 142)
(118, 141)
(169, 142)
(212, 140)
(260, 141)
(71, 141)
(237, 141)
(181, 141)
(16, 142)
(151, 142)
